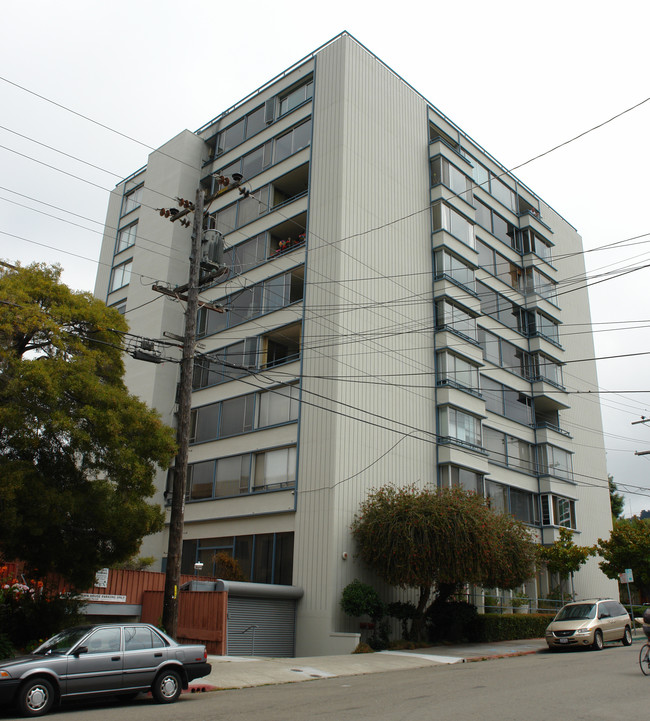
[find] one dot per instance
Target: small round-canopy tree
(628, 546)
(426, 539)
(564, 557)
(78, 453)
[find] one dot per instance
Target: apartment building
(398, 309)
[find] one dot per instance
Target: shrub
(361, 599)
(403, 612)
(31, 612)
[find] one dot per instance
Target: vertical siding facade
(367, 188)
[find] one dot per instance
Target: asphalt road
(596, 686)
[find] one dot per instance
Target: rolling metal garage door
(261, 626)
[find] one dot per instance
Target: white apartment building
(399, 309)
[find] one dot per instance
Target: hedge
(508, 627)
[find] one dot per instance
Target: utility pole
(175, 545)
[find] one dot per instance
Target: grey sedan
(107, 659)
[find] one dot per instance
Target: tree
(628, 547)
(442, 539)
(564, 557)
(616, 500)
(78, 453)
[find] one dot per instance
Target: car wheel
(598, 640)
(627, 637)
(35, 697)
(167, 686)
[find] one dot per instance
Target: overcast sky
(520, 78)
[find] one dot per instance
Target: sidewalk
(242, 672)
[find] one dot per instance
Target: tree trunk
(417, 625)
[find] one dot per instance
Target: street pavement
(242, 672)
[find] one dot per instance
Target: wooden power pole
(175, 546)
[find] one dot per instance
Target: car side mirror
(81, 649)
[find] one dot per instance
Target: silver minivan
(589, 623)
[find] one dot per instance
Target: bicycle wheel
(644, 659)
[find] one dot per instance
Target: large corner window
(120, 276)
(442, 171)
(450, 266)
(450, 316)
(558, 511)
(554, 461)
(126, 237)
(131, 200)
(457, 477)
(459, 427)
(456, 371)
(444, 217)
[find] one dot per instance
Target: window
(278, 406)
(442, 171)
(263, 558)
(232, 476)
(546, 369)
(496, 306)
(120, 306)
(296, 97)
(120, 276)
(137, 638)
(536, 282)
(275, 468)
(105, 640)
(507, 450)
(246, 255)
(541, 325)
(131, 200)
(293, 141)
(506, 401)
(265, 297)
(554, 461)
(126, 237)
(200, 480)
(497, 495)
(558, 511)
(236, 415)
(457, 477)
(450, 316)
(533, 243)
(504, 194)
(523, 506)
(448, 265)
(446, 218)
(454, 370)
(209, 370)
(456, 425)
(231, 137)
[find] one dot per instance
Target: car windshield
(63, 641)
(577, 611)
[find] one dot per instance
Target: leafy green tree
(628, 547)
(564, 557)
(616, 500)
(78, 453)
(440, 539)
